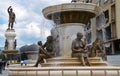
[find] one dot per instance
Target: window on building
(108, 33)
(105, 1)
(88, 38)
(99, 2)
(88, 26)
(88, 1)
(98, 21)
(106, 13)
(113, 13)
(112, 1)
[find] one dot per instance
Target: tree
(24, 50)
(24, 56)
(3, 57)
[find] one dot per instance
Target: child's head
(39, 42)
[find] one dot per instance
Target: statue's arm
(92, 47)
(15, 17)
(73, 47)
(84, 44)
(44, 45)
(43, 51)
(85, 49)
(100, 47)
(9, 9)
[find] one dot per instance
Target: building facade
(106, 26)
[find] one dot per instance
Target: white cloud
(2, 30)
(33, 29)
(21, 13)
(47, 32)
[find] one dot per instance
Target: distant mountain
(32, 47)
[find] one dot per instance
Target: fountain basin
(71, 12)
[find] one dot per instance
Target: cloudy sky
(30, 25)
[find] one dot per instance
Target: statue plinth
(10, 44)
(10, 37)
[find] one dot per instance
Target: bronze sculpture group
(45, 51)
(79, 50)
(98, 50)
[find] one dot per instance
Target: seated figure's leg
(87, 60)
(97, 53)
(83, 61)
(80, 56)
(92, 54)
(50, 55)
(38, 61)
(104, 57)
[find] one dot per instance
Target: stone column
(67, 33)
(93, 27)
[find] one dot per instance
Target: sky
(30, 26)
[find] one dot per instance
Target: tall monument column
(10, 41)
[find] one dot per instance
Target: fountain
(69, 18)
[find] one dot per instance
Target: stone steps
(57, 64)
(59, 61)
(92, 59)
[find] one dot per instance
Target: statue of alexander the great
(11, 17)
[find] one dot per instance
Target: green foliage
(24, 56)
(16, 63)
(2, 56)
